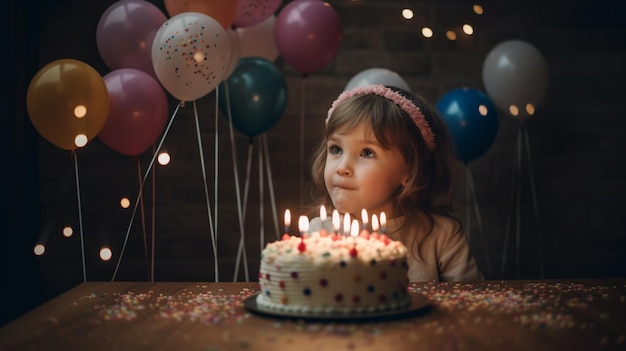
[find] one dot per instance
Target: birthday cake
(327, 274)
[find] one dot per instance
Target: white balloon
(190, 55)
(258, 40)
(515, 73)
(377, 76)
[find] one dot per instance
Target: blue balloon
(257, 92)
(472, 120)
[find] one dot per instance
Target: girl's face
(361, 174)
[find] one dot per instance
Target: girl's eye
(334, 150)
(368, 153)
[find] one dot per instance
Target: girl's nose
(344, 169)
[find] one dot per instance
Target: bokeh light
(451, 35)
(68, 231)
(80, 111)
(427, 32)
(39, 249)
(163, 158)
(105, 253)
(125, 202)
(80, 140)
(407, 13)
(468, 29)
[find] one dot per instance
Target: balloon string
(518, 204)
(479, 221)
(132, 217)
(270, 184)
(261, 197)
(80, 217)
(514, 181)
(235, 172)
(302, 100)
(153, 220)
(215, 180)
(242, 246)
(143, 215)
(206, 190)
(534, 197)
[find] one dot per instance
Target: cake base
(418, 305)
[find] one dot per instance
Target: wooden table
(490, 315)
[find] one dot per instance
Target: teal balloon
(471, 119)
(257, 94)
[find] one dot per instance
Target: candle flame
(336, 221)
(374, 223)
(354, 230)
(323, 213)
(383, 219)
(346, 224)
(303, 224)
(364, 216)
(287, 218)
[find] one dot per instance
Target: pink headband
(407, 105)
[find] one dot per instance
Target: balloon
(308, 34)
(258, 40)
(252, 12)
(191, 54)
(223, 11)
(472, 120)
(125, 33)
(377, 76)
(257, 92)
(515, 73)
(138, 111)
(68, 103)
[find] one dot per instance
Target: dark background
(577, 150)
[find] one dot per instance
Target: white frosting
(333, 275)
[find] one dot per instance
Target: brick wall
(577, 148)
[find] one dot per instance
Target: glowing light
(513, 110)
(198, 56)
(303, 224)
(374, 223)
(80, 111)
(346, 224)
(125, 202)
(530, 109)
(354, 229)
(483, 110)
(68, 231)
(323, 214)
(407, 13)
(39, 249)
(336, 221)
(163, 158)
(451, 35)
(477, 9)
(80, 140)
(468, 29)
(105, 253)
(287, 219)
(427, 32)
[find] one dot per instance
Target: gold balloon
(68, 103)
(223, 11)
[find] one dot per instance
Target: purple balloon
(252, 12)
(308, 34)
(137, 111)
(125, 33)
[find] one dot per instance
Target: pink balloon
(252, 12)
(308, 34)
(137, 111)
(125, 32)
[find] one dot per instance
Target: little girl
(385, 150)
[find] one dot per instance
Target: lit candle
(287, 224)
(364, 218)
(323, 218)
(303, 225)
(383, 222)
(354, 230)
(374, 226)
(336, 222)
(364, 233)
(346, 224)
